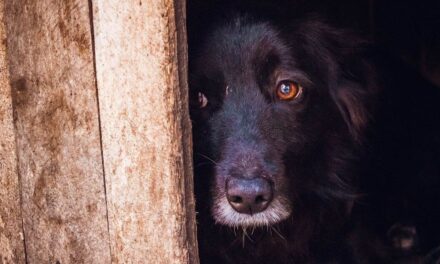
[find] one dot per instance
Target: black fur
(355, 153)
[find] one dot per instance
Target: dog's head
(277, 114)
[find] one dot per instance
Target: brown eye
(203, 101)
(288, 90)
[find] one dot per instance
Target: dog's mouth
(224, 213)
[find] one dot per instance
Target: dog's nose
(249, 196)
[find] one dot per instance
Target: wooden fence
(95, 138)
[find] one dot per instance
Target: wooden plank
(145, 131)
(57, 130)
(11, 231)
(182, 59)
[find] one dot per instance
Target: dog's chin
(277, 211)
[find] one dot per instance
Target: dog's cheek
(296, 135)
(278, 126)
(218, 133)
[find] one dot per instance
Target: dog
(310, 147)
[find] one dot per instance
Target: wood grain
(145, 131)
(11, 231)
(57, 131)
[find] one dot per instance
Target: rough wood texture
(182, 59)
(11, 232)
(145, 132)
(57, 131)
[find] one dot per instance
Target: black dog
(309, 147)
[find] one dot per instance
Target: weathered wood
(11, 231)
(57, 131)
(145, 131)
(182, 59)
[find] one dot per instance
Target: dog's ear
(350, 77)
(354, 88)
(355, 105)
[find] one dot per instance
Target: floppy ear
(354, 86)
(352, 81)
(354, 102)
(349, 76)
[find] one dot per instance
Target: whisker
(247, 235)
(269, 230)
(278, 233)
(208, 158)
(243, 237)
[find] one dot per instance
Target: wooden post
(57, 131)
(11, 231)
(142, 85)
(145, 130)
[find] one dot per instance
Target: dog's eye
(203, 101)
(288, 90)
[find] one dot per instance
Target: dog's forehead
(235, 47)
(241, 41)
(235, 51)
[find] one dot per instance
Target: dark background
(409, 30)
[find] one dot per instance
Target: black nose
(249, 196)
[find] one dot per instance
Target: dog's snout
(249, 196)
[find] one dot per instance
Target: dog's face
(266, 113)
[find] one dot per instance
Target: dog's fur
(356, 152)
